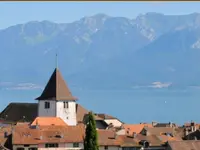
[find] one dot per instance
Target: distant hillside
(101, 51)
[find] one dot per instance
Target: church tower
(57, 101)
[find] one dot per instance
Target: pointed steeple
(56, 89)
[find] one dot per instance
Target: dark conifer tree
(91, 137)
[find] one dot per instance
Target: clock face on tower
(66, 111)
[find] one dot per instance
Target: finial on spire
(56, 60)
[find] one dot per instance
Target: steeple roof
(56, 89)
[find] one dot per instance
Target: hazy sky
(12, 13)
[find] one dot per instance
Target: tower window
(65, 104)
(47, 105)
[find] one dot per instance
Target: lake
(130, 106)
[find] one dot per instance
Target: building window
(47, 105)
(33, 148)
(26, 145)
(51, 145)
(65, 104)
(106, 147)
(20, 148)
(75, 144)
(130, 148)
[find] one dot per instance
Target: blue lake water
(130, 106)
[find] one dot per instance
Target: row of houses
(53, 133)
(57, 122)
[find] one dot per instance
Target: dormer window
(65, 104)
(46, 105)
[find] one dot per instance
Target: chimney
(154, 124)
(195, 138)
(170, 124)
(40, 137)
(115, 135)
(128, 131)
(12, 129)
(192, 123)
(134, 134)
(186, 132)
(37, 126)
(193, 128)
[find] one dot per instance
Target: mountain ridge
(104, 51)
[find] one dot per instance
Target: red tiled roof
(48, 134)
(160, 130)
(185, 145)
(137, 128)
(47, 121)
(70, 134)
(107, 138)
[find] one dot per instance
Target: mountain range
(102, 52)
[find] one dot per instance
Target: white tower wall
(67, 111)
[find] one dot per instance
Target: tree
(91, 137)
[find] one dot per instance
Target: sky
(12, 13)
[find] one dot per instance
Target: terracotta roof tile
(80, 113)
(165, 138)
(184, 145)
(48, 134)
(107, 138)
(152, 139)
(137, 128)
(160, 130)
(46, 121)
(56, 89)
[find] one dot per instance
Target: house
(31, 137)
(110, 120)
(130, 129)
(193, 135)
(101, 122)
(108, 139)
(189, 128)
(183, 145)
(170, 124)
(158, 131)
(19, 112)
